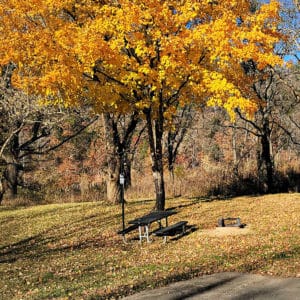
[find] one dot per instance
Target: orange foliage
(127, 54)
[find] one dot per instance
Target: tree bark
(155, 135)
(235, 152)
(127, 171)
(113, 163)
(113, 187)
(265, 161)
(12, 169)
(118, 144)
(11, 177)
(2, 188)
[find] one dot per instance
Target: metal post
(122, 181)
(122, 187)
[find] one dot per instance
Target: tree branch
(175, 95)
(66, 139)
(9, 139)
(248, 121)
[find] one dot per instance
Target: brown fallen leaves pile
(72, 251)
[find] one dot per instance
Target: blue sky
(294, 22)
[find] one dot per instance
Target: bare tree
(25, 131)
(278, 92)
(181, 123)
(290, 26)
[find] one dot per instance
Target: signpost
(122, 182)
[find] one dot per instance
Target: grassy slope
(72, 251)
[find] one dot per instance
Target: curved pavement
(226, 286)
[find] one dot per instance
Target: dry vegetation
(72, 251)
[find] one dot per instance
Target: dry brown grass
(72, 251)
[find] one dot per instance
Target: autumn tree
(147, 56)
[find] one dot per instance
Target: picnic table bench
(127, 230)
(177, 228)
(145, 221)
(143, 225)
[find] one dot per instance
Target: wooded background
(246, 141)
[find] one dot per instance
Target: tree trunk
(2, 189)
(159, 187)
(118, 137)
(235, 153)
(127, 172)
(113, 161)
(113, 187)
(268, 165)
(12, 168)
(171, 160)
(11, 177)
(155, 143)
(265, 161)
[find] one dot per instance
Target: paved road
(221, 286)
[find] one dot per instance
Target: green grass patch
(72, 251)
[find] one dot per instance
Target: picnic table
(145, 221)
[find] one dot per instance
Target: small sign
(122, 179)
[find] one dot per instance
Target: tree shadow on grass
(142, 201)
(48, 242)
(36, 246)
(194, 201)
(189, 229)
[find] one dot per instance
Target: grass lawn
(72, 251)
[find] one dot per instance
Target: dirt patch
(224, 231)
